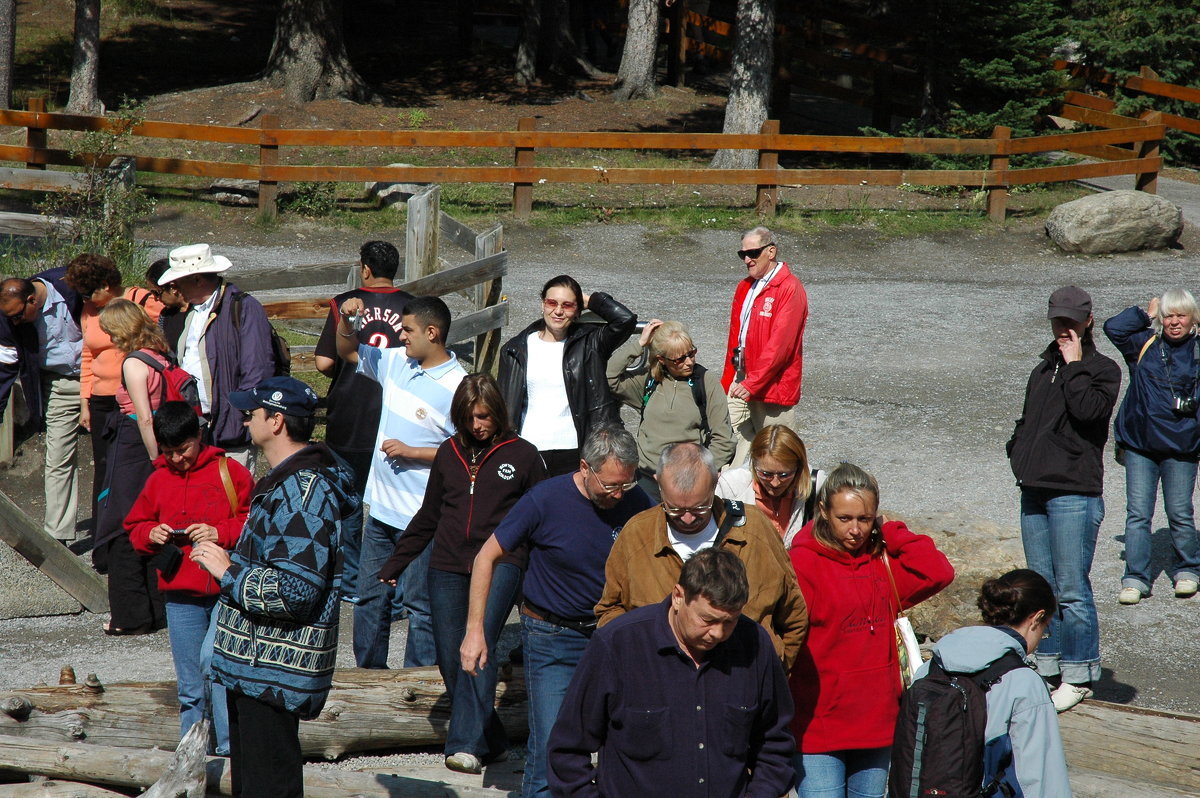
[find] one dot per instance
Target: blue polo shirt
(416, 410)
(660, 723)
(569, 539)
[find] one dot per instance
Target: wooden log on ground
(1142, 745)
(51, 557)
(124, 767)
(367, 710)
(56, 789)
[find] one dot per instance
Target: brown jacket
(642, 569)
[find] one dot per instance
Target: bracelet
(348, 335)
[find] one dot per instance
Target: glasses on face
(610, 489)
(679, 512)
(248, 414)
(553, 304)
(773, 474)
(753, 253)
(678, 361)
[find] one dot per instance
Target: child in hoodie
(196, 493)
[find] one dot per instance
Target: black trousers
(560, 461)
(264, 749)
(101, 409)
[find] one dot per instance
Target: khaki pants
(61, 395)
(246, 455)
(748, 418)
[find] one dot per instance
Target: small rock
(233, 191)
(1115, 221)
(387, 194)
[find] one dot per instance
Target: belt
(584, 627)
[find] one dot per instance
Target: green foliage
(310, 199)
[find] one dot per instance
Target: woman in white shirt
(552, 373)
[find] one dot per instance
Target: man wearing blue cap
(275, 634)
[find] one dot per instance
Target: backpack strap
(810, 504)
(735, 515)
(991, 675)
(227, 481)
(1145, 346)
(701, 399)
(153, 363)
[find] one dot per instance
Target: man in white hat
(225, 343)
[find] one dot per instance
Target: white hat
(192, 259)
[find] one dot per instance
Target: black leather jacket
(585, 357)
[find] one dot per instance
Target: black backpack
(938, 748)
(281, 353)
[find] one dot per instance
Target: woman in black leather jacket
(552, 373)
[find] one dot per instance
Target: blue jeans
(1058, 532)
(360, 465)
(191, 626)
(1178, 477)
(858, 773)
(373, 613)
(474, 725)
(551, 654)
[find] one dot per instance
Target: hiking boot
(1131, 595)
(464, 763)
(1068, 695)
(1185, 588)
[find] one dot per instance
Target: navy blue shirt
(660, 723)
(569, 539)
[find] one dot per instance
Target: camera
(180, 537)
(738, 360)
(1185, 405)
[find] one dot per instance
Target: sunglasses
(568, 305)
(773, 474)
(678, 361)
(753, 253)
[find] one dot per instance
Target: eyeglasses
(678, 361)
(753, 253)
(773, 474)
(610, 489)
(552, 304)
(679, 512)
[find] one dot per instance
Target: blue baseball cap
(286, 395)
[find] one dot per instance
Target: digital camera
(1185, 405)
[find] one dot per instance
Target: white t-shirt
(548, 424)
(687, 545)
(190, 362)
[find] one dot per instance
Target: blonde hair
(846, 478)
(1176, 300)
(781, 443)
(665, 338)
(130, 328)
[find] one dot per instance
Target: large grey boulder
(1115, 221)
(386, 194)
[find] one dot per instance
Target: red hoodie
(190, 497)
(846, 680)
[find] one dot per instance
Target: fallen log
(125, 767)
(1133, 743)
(56, 789)
(367, 710)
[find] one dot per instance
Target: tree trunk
(85, 68)
(308, 58)
(527, 48)
(8, 38)
(635, 78)
(548, 44)
(367, 710)
(749, 79)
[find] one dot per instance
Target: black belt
(584, 627)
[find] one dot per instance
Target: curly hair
(89, 272)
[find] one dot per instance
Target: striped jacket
(277, 623)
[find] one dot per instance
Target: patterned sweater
(277, 623)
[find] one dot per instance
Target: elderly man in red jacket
(763, 362)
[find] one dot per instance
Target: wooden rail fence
(1146, 82)
(527, 142)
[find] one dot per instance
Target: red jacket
(189, 497)
(846, 681)
(775, 340)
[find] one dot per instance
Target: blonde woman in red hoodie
(846, 681)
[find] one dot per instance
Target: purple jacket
(238, 360)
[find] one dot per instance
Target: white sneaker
(1130, 595)
(1186, 588)
(464, 763)
(1068, 695)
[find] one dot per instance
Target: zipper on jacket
(471, 477)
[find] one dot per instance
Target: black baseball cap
(286, 395)
(1070, 302)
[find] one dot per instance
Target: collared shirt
(60, 340)
(755, 289)
(661, 723)
(192, 360)
(416, 410)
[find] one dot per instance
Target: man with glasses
(645, 562)
(175, 307)
(568, 523)
(764, 357)
(41, 341)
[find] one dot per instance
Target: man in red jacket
(763, 361)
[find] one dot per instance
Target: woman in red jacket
(477, 476)
(846, 681)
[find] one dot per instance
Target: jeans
(373, 613)
(551, 654)
(1142, 476)
(858, 773)
(188, 620)
(1058, 532)
(474, 725)
(360, 464)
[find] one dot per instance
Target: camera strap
(1166, 360)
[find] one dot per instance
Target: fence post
(997, 198)
(487, 346)
(423, 233)
(676, 42)
(767, 201)
(36, 136)
(522, 201)
(268, 155)
(1148, 181)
